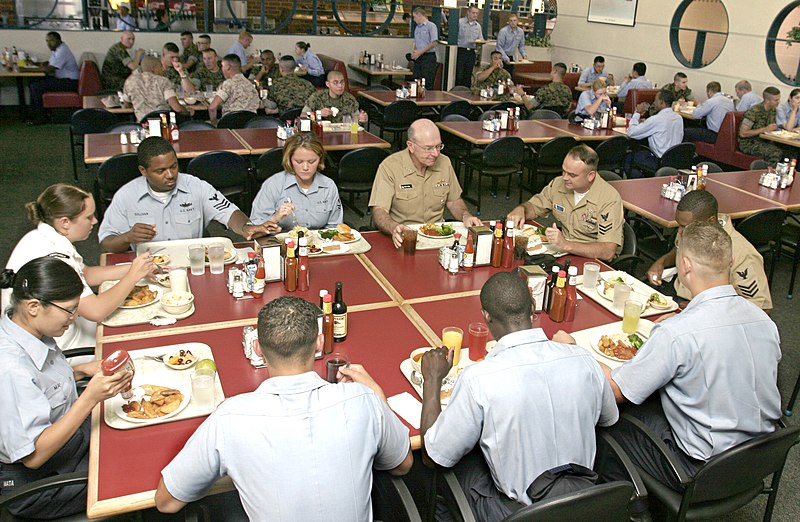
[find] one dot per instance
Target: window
(784, 59)
(698, 32)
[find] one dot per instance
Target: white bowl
(177, 302)
(190, 100)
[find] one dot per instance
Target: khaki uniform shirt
(290, 91)
(202, 77)
(192, 51)
(747, 273)
(115, 67)
(346, 103)
(554, 96)
(408, 196)
(596, 218)
(238, 94)
(148, 92)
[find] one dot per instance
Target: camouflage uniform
(115, 67)
(498, 75)
(192, 51)
(555, 96)
(149, 92)
(346, 104)
(202, 77)
(757, 117)
(274, 73)
(238, 94)
(174, 76)
(290, 92)
(686, 94)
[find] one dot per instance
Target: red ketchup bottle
(558, 302)
(119, 361)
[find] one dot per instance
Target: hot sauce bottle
(302, 265)
(497, 246)
(558, 301)
(291, 268)
(572, 294)
(508, 245)
(469, 255)
(327, 324)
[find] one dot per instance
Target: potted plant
(793, 35)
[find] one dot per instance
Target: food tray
(638, 287)
(338, 127)
(406, 368)
(143, 314)
(356, 247)
(149, 371)
(178, 250)
(583, 338)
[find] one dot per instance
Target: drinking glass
(409, 241)
(621, 294)
(590, 273)
(630, 317)
(197, 259)
(452, 337)
(478, 335)
(335, 361)
(628, 117)
(178, 280)
(216, 258)
(203, 388)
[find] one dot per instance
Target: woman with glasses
(310, 63)
(300, 196)
(64, 214)
(45, 424)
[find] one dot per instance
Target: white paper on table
(408, 407)
(669, 273)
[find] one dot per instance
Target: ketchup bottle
(558, 301)
(469, 255)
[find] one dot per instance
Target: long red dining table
(396, 304)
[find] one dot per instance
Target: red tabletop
(579, 131)
(530, 131)
(788, 198)
(643, 196)
(431, 98)
(261, 140)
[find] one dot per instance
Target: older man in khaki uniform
(587, 208)
(747, 273)
(416, 184)
(236, 93)
(150, 91)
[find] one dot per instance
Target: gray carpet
(35, 157)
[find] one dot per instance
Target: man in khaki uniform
(334, 97)
(587, 208)
(747, 271)
(236, 93)
(289, 91)
(415, 184)
(150, 91)
(120, 61)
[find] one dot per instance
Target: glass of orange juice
(452, 337)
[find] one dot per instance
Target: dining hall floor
(31, 158)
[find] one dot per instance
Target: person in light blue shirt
(713, 110)
(469, 30)
(747, 98)
(532, 404)
(426, 37)
(125, 21)
(298, 447)
(511, 39)
(594, 100)
(786, 113)
(635, 80)
(300, 195)
(590, 74)
(239, 48)
(62, 75)
(662, 130)
(310, 62)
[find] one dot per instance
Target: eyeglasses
(429, 149)
(337, 82)
(70, 313)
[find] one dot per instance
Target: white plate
(161, 259)
(356, 237)
(118, 401)
(167, 357)
(661, 307)
(541, 250)
(596, 347)
(419, 231)
(343, 247)
(154, 288)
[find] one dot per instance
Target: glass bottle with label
(339, 309)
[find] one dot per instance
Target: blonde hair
(57, 201)
(708, 245)
(303, 140)
(598, 84)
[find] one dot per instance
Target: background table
(431, 98)
(530, 131)
(781, 140)
(20, 76)
(370, 70)
(747, 181)
(475, 99)
(578, 131)
(260, 141)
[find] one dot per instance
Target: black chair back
(629, 243)
(226, 172)
(503, 106)
(112, 174)
(759, 164)
(269, 163)
(667, 171)
(712, 167)
(544, 114)
(460, 88)
(263, 122)
(400, 113)
(179, 117)
(681, 156)
(607, 175)
(119, 128)
(612, 153)
(504, 152)
(392, 500)
(608, 502)
(453, 117)
(196, 125)
(291, 114)
(763, 228)
(460, 107)
(358, 167)
(91, 121)
(552, 154)
(235, 119)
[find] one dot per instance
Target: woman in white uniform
(64, 214)
(45, 424)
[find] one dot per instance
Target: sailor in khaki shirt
(415, 184)
(236, 93)
(587, 208)
(747, 271)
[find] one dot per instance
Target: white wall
(743, 57)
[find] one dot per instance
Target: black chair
(263, 122)
(124, 127)
(712, 167)
(357, 171)
(628, 259)
(727, 481)
(291, 114)
(790, 240)
(460, 107)
(391, 499)
(196, 125)
(179, 117)
(607, 175)
(87, 121)
(503, 106)
(235, 119)
(454, 147)
(397, 117)
(546, 164)
(544, 114)
(666, 172)
(269, 163)
(763, 231)
(500, 158)
(759, 164)
(607, 502)
(680, 156)
(39, 486)
(111, 176)
(460, 88)
(227, 172)
(612, 153)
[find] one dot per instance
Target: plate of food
(180, 359)
(434, 231)
(659, 301)
(151, 403)
(619, 346)
(141, 295)
(530, 231)
(342, 233)
(161, 259)
(329, 247)
(605, 287)
(230, 255)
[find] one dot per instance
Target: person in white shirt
(662, 130)
(125, 22)
(713, 110)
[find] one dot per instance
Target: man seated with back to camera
(164, 205)
(663, 131)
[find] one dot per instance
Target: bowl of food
(161, 259)
(176, 303)
(180, 359)
(416, 358)
(190, 100)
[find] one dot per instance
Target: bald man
(416, 184)
(150, 91)
(334, 102)
(120, 61)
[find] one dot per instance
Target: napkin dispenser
(536, 279)
(270, 249)
(483, 245)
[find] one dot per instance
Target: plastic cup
(203, 388)
(452, 337)
(628, 117)
(621, 294)
(409, 241)
(590, 273)
(476, 342)
(178, 280)
(630, 317)
(197, 259)
(335, 361)
(216, 258)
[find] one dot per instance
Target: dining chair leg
(792, 399)
(795, 261)
(508, 188)
(480, 193)
(774, 259)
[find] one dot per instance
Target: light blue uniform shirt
(714, 110)
(468, 32)
(782, 114)
(424, 34)
(509, 41)
(298, 448)
(317, 208)
(589, 75)
(587, 98)
(532, 404)
(37, 389)
(312, 62)
(64, 61)
(716, 366)
(747, 101)
(238, 49)
(662, 130)
(190, 207)
(635, 83)
(126, 23)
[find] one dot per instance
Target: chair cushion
(58, 100)
(726, 148)
(330, 63)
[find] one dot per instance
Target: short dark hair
(267, 51)
(420, 10)
(586, 154)
(794, 93)
(640, 68)
(772, 91)
(305, 46)
(714, 87)
(186, 33)
(560, 68)
(288, 328)
(506, 297)
(204, 37)
(701, 203)
(151, 147)
(171, 47)
(233, 60)
(209, 50)
(45, 278)
(599, 59)
(495, 52)
(287, 63)
(668, 97)
(679, 75)
(54, 35)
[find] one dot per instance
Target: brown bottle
(497, 246)
(508, 245)
(291, 269)
(327, 324)
(558, 302)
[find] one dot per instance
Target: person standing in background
(469, 30)
(426, 37)
(510, 39)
